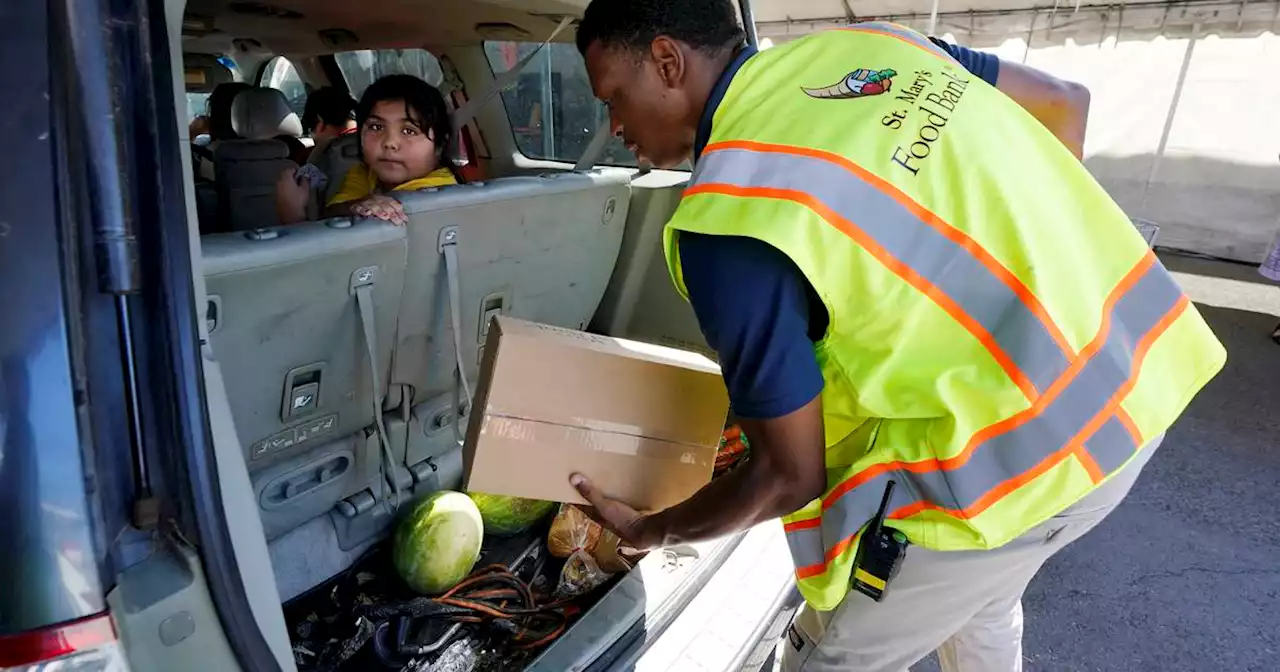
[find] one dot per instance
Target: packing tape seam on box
(509, 427)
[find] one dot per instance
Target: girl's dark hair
(329, 104)
(424, 104)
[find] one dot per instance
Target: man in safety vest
(918, 294)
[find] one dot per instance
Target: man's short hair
(329, 104)
(710, 26)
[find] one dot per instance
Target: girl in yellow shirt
(404, 132)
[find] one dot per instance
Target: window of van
(197, 104)
(362, 68)
(202, 74)
(551, 107)
(280, 74)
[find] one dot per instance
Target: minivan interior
(333, 349)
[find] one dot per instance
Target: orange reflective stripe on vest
(1075, 398)
(939, 260)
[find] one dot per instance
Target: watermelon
(505, 516)
(437, 543)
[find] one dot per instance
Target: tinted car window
(280, 74)
(551, 108)
(362, 68)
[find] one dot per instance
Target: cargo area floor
(343, 623)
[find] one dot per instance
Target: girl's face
(395, 146)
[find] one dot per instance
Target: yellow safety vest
(1000, 341)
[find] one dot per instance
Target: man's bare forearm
(785, 472)
(736, 501)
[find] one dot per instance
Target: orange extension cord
(486, 603)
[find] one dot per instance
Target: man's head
(329, 112)
(654, 63)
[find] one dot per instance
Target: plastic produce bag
(734, 449)
(592, 553)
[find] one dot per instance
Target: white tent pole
(1168, 120)
(749, 23)
(933, 19)
(1031, 33)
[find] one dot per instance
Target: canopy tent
(1184, 94)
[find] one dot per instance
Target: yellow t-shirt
(360, 183)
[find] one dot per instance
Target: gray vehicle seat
(539, 248)
(288, 321)
(282, 313)
(334, 160)
(246, 170)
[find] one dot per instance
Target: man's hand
(785, 472)
(615, 516)
(381, 206)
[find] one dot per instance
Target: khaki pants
(967, 605)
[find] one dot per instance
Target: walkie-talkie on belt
(880, 554)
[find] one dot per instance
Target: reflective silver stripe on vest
(939, 260)
(1023, 451)
(1008, 458)
(1111, 446)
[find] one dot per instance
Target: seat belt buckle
(880, 553)
(448, 237)
(363, 277)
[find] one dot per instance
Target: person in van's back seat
(330, 119)
(404, 132)
(329, 115)
(220, 126)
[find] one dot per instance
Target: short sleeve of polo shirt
(753, 306)
(985, 66)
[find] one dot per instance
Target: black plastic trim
(333, 73)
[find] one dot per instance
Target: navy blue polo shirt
(755, 307)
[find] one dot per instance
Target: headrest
(261, 113)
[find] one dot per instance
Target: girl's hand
(381, 206)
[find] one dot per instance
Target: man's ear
(669, 57)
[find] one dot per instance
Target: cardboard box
(641, 421)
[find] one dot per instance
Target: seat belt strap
(362, 282)
(449, 249)
(467, 112)
(598, 141)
